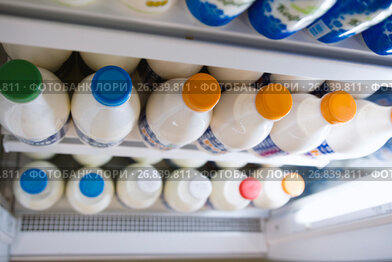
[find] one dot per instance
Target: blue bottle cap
(111, 86)
(34, 181)
(91, 185)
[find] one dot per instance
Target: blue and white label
(379, 37)
(217, 12)
(278, 19)
(349, 17)
(210, 143)
(149, 136)
(323, 149)
(149, 77)
(50, 140)
(92, 142)
(268, 148)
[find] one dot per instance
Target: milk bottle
(242, 121)
(139, 186)
(158, 71)
(147, 160)
(277, 187)
(188, 163)
(349, 17)
(358, 89)
(230, 164)
(48, 58)
(186, 190)
(234, 77)
(105, 107)
(370, 129)
(297, 84)
(278, 19)
(92, 160)
(181, 114)
(97, 61)
(232, 190)
(379, 37)
(39, 185)
(34, 105)
(148, 6)
(89, 191)
(216, 12)
(308, 124)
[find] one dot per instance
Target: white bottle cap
(149, 185)
(200, 187)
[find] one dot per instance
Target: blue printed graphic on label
(379, 37)
(268, 148)
(210, 143)
(149, 77)
(150, 138)
(323, 149)
(347, 18)
(50, 140)
(209, 13)
(92, 142)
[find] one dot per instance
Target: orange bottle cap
(293, 184)
(338, 107)
(201, 92)
(274, 101)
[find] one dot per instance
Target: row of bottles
(105, 108)
(328, 21)
(90, 190)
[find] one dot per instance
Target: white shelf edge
(134, 147)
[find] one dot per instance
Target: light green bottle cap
(20, 81)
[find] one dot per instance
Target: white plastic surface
(148, 6)
(39, 156)
(297, 84)
(92, 160)
(97, 61)
(234, 76)
(170, 70)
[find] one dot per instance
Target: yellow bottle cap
(201, 92)
(338, 107)
(293, 184)
(274, 101)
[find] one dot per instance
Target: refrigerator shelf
(134, 147)
(112, 28)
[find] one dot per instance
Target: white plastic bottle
(147, 160)
(297, 84)
(39, 156)
(277, 187)
(97, 61)
(232, 190)
(230, 164)
(39, 185)
(105, 107)
(89, 191)
(48, 58)
(358, 89)
(75, 2)
(186, 190)
(308, 124)
(149, 6)
(139, 186)
(370, 129)
(180, 115)
(242, 121)
(233, 77)
(35, 110)
(92, 160)
(169, 70)
(188, 163)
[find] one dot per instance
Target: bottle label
(50, 140)
(319, 29)
(92, 142)
(210, 143)
(149, 136)
(268, 148)
(323, 149)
